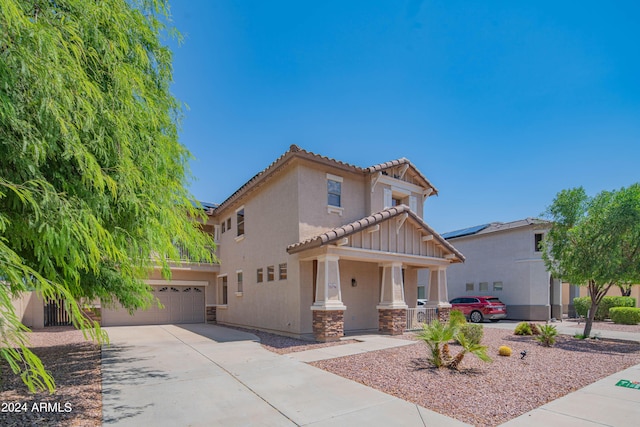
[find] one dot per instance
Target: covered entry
(367, 265)
(183, 301)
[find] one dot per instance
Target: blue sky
(500, 104)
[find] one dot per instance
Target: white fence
(416, 317)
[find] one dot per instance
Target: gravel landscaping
(488, 394)
(75, 365)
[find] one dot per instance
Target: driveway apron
(207, 375)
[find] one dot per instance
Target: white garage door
(182, 304)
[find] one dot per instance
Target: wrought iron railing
(417, 317)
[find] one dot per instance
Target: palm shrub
(480, 351)
(535, 329)
(437, 336)
(547, 335)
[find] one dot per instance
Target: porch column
(438, 295)
(328, 309)
(392, 310)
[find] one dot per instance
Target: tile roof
(297, 152)
(494, 227)
(364, 223)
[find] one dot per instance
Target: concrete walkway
(206, 375)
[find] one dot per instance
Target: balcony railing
(417, 317)
(185, 256)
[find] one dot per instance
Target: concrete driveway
(207, 375)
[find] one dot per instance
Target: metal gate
(55, 314)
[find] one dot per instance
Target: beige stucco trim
(157, 282)
(368, 255)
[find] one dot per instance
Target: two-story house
(505, 260)
(312, 246)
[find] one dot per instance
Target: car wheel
(475, 317)
(421, 317)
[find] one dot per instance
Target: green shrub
(547, 335)
(456, 318)
(610, 302)
(523, 328)
(503, 350)
(625, 315)
(473, 332)
(583, 304)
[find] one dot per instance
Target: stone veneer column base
(328, 325)
(211, 315)
(443, 314)
(392, 321)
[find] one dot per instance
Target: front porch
(356, 295)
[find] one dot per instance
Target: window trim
(280, 271)
(239, 283)
(239, 237)
(340, 180)
(537, 243)
(220, 292)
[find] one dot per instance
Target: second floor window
(334, 190)
(537, 242)
(240, 221)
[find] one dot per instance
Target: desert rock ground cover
(488, 394)
(75, 364)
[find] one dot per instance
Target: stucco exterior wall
(29, 308)
(508, 257)
(314, 216)
(271, 224)
(361, 300)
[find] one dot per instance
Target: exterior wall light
(354, 282)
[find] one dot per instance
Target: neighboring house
(312, 245)
(504, 260)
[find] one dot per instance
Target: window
(282, 271)
(334, 190)
(239, 274)
(224, 226)
(270, 273)
(497, 286)
(260, 277)
(395, 201)
(422, 292)
(240, 221)
(537, 241)
(229, 223)
(223, 290)
(484, 286)
(469, 287)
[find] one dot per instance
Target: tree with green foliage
(92, 175)
(594, 241)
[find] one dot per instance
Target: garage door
(182, 304)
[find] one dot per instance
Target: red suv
(478, 308)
